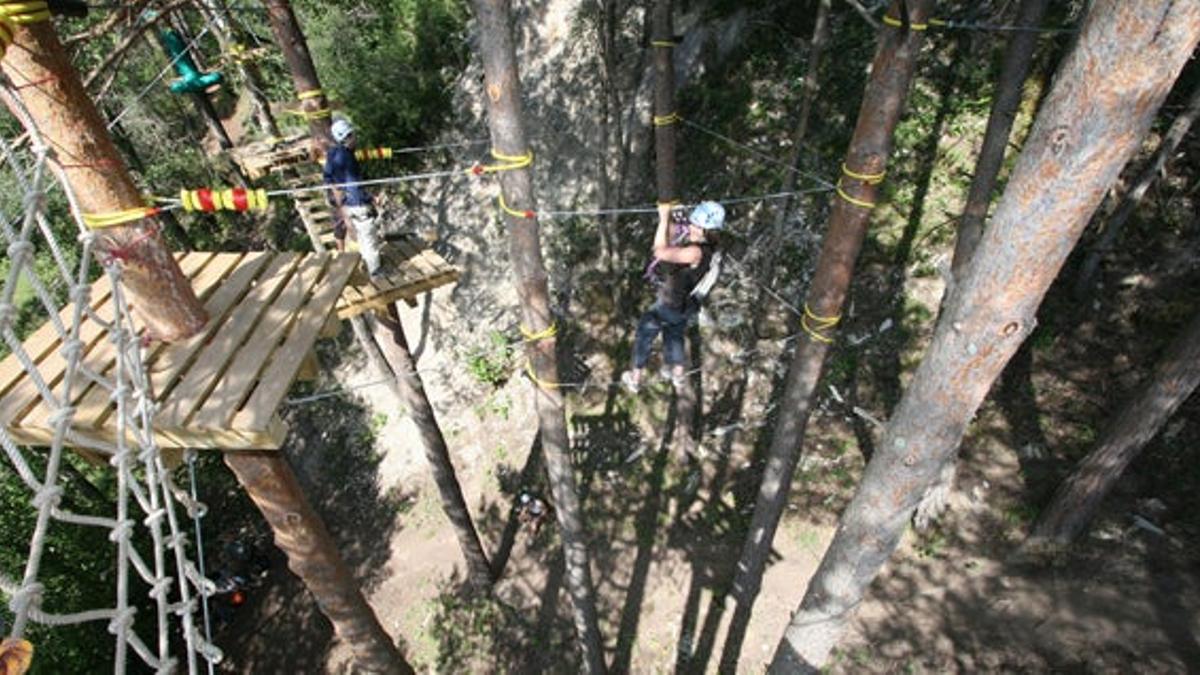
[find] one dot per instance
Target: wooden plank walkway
(219, 389)
(410, 269)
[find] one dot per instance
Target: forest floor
(666, 528)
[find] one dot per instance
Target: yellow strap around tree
(25, 12)
(100, 221)
(667, 120)
(813, 325)
(544, 334)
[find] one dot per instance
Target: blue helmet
(708, 216)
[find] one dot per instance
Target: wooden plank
(45, 339)
(333, 327)
(95, 406)
(382, 300)
(24, 406)
(258, 351)
(211, 364)
(260, 410)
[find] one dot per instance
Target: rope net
(148, 501)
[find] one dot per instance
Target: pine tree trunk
(81, 147)
(1077, 500)
(883, 100)
(312, 98)
(1009, 89)
(313, 556)
(663, 43)
(1102, 103)
(407, 387)
(1133, 198)
(812, 85)
(502, 94)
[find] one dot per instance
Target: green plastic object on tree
(191, 80)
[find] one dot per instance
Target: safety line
(757, 153)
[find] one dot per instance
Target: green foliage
(390, 63)
(492, 364)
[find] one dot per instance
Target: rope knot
(122, 621)
(18, 251)
(122, 533)
(72, 349)
(48, 496)
(81, 294)
(160, 588)
(62, 416)
(29, 595)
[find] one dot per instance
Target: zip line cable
(757, 153)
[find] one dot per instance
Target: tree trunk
(229, 36)
(313, 556)
(208, 113)
(1133, 198)
(79, 143)
(502, 88)
(304, 74)
(883, 100)
(665, 116)
(1077, 500)
(1103, 101)
(407, 387)
(1009, 89)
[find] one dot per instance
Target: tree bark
(1009, 89)
(313, 556)
(663, 44)
(76, 135)
(503, 100)
(407, 387)
(883, 100)
(1133, 198)
(304, 74)
(1077, 500)
(1103, 101)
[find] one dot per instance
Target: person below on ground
(686, 263)
(350, 202)
(533, 511)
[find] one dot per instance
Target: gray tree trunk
(1077, 500)
(502, 92)
(1102, 103)
(883, 101)
(407, 386)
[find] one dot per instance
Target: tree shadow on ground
(331, 447)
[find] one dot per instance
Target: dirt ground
(665, 531)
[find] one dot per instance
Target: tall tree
(397, 365)
(1133, 197)
(1009, 88)
(503, 97)
(407, 386)
(863, 170)
(313, 102)
(1102, 103)
(665, 116)
(811, 87)
(83, 153)
(1079, 497)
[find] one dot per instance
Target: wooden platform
(410, 270)
(411, 267)
(262, 157)
(220, 389)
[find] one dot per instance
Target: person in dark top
(351, 203)
(685, 267)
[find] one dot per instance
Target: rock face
(589, 154)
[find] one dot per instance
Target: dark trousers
(660, 319)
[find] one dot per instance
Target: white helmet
(708, 215)
(341, 130)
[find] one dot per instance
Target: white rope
(146, 498)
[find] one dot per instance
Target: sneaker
(628, 381)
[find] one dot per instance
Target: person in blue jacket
(350, 201)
